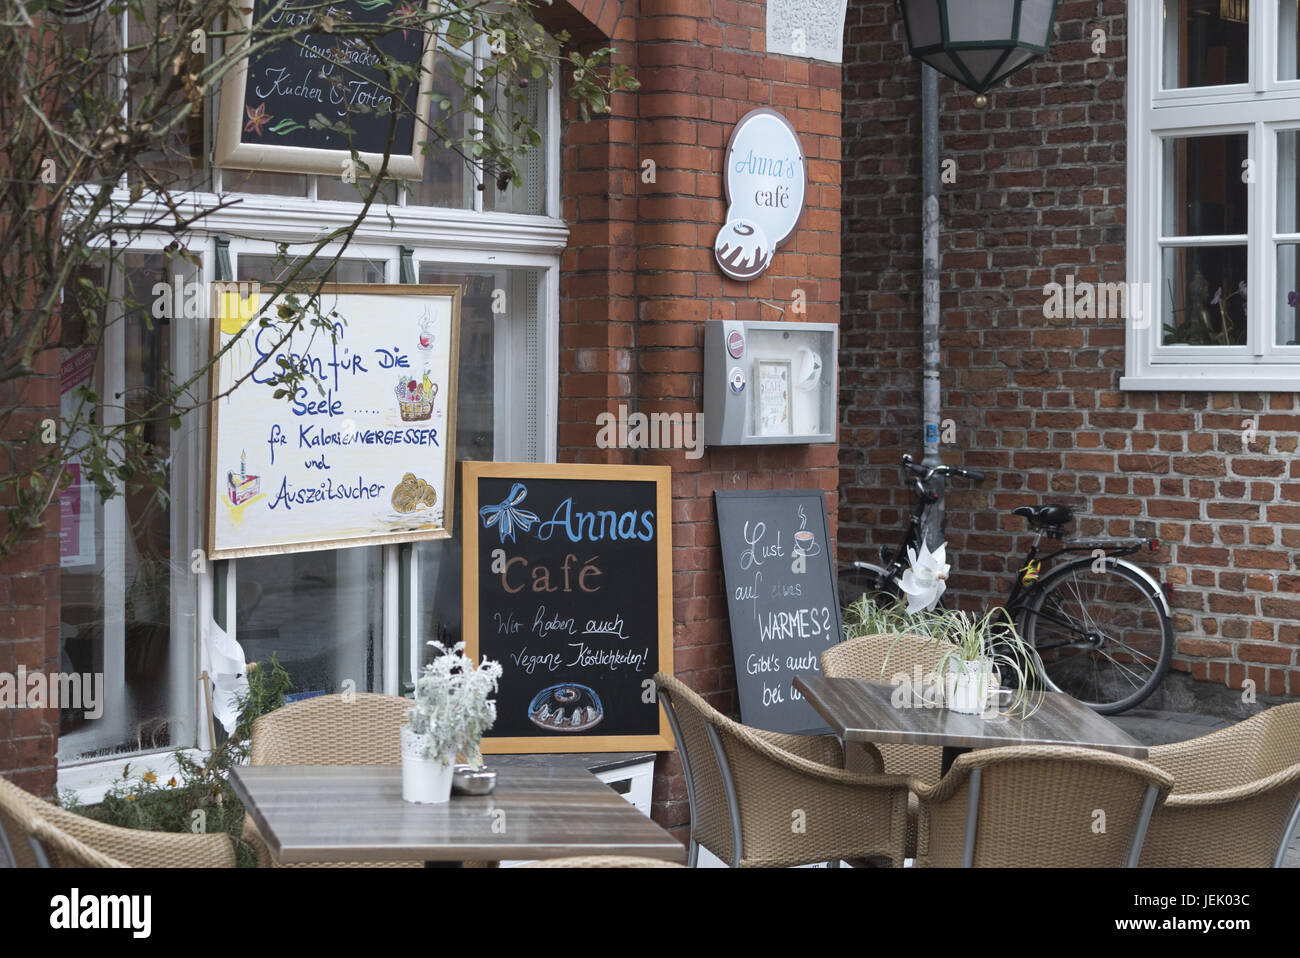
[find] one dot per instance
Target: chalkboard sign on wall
(782, 600)
(269, 101)
(568, 584)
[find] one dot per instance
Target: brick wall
(639, 280)
(1039, 195)
(29, 591)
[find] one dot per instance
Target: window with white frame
(1213, 237)
(351, 618)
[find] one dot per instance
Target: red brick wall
(29, 591)
(1039, 195)
(639, 280)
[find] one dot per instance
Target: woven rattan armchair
(877, 658)
(766, 799)
(1236, 797)
(361, 728)
(61, 850)
(1039, 806)
(135, 848)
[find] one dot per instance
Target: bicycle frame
(1020, 592)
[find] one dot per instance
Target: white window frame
(1258, 108)
(438, 235)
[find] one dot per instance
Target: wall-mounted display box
(769, 383)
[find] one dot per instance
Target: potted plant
(450, 715)
(976, 653)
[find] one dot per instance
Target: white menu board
(362, 455)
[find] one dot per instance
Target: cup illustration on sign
(805, 543)
(566, 708)
(766, 180)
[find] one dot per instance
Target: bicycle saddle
(1053, 515)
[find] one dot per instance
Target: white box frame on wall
(233, 152)
(415, 476)
(735, 353)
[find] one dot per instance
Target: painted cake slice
(241, 490)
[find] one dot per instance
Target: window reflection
(1206, 43)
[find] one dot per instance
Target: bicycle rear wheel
(1104, 637)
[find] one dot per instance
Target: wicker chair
(61, 850)
(601, 861)
(1036, 806)
(1236, 797)
(766, 799)
(877, 658)
(134, 848)
(358, 729)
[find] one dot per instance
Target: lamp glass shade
(978, 43)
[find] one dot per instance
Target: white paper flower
(923, 582)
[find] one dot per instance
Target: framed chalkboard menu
(568, 584)
(781, 598)
(270, 100)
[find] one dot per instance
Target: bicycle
(1101, 625)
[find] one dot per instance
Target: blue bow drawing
(506, 516)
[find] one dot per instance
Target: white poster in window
(773, 397)
(364, 452)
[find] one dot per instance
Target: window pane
(272, 269)
(321, 613)
(1206, 42)
(447, 180)
(251, 181)
(497, 414)
(1288, 293)
(1204, 296)
(528, 195)
(336, 188)
(1288, 182)
(1288, 40)
(1204, 191)
(180, 161)
(115, 558)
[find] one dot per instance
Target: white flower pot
(425, 781)
(967, 686)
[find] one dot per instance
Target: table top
(345, 813)
(859, 710)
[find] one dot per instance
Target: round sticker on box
(736, 344)
(737, 379)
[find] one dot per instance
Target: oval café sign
(766, 182)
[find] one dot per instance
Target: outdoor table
(352, 813)
(859, 710)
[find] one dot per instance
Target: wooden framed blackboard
(269, 100)
(568, 584)
(365, 455)
(782, 600)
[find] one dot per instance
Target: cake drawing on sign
(415, 397)
(742, 249)
(566, 708)
(242, 487)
